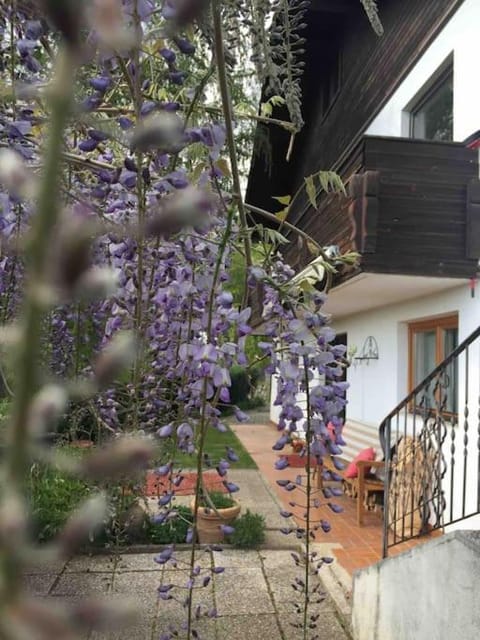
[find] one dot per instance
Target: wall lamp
(369, 350)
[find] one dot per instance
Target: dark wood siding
(473, 218)
(331, 224)
(372, 69)
(422, 227)
(412, 211)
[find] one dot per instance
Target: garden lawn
(215, 444)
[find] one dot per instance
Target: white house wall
(460, 36)
(377, 386)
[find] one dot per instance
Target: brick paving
(354, 547)
(156, 485)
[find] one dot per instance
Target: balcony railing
(432, 454)
(412, 210)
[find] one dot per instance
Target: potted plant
(297, 442)
(218, 510)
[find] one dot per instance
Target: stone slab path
(253, 596)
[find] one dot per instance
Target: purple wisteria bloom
(177, 77)
(148, 107)
(144, 8)
(231, 455)
(101, 83)
(166, 431)
(222, 468)
(168, 54)
(281, 463)
(226, 529)
(33, 29)
(184, 45)
(125, 123)
(88, 145)
(240, 415)
(231, 487)
(164, 556)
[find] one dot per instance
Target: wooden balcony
(413, 209)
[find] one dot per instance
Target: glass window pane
(429, 347)
(450, 342)
(433, 118)
(425, 354)
(424, 360)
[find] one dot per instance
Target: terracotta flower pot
(209, 522)
(297, 445)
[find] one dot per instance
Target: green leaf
(277, 101)
(313, 248)
(275, 236)
(311, 191)
(283, 199)
(224, 167)
(197, 171)
(307, 285)
(244, 108)
(282, 215)
(331, 182)
(266, 109)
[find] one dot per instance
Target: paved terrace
(253, 596)
(354, 547)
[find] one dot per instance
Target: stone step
(337, 582)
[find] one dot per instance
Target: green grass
(215, 444)
(54, 495)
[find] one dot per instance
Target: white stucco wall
(427, 593)
(460, 37)
(377, 386)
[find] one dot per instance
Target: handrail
(426, 484)
(411, 396)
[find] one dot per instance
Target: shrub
(54, 495)
(240, 385)
(5, 406)
(254, 402)
(249, 531)
(173, 531)
(219, 500)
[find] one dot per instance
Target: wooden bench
(366, 484)
(358, 488)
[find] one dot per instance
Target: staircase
(431, 442)
(359, 436)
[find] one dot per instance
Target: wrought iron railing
(431, 444)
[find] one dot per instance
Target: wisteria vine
(120, 215)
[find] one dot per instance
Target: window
(430, 342)
(431, 113)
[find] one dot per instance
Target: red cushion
(352, 469)
(331, 431)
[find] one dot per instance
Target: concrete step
(337, 582)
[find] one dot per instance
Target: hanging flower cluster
(139, 241)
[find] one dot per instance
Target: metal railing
(431, 444)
